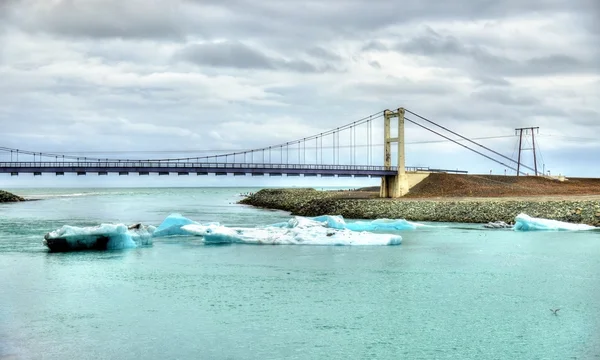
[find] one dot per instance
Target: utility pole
(520, 132)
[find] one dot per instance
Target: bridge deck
(181, 168)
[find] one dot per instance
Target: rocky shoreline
(310, 202)
(5, 196)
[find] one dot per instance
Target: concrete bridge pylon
(394, 186)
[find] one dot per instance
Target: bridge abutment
(394, 186)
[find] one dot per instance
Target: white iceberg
(525, 222)
(102, 237)
(497, 225)
(298, 231)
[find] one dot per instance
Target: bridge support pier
(394, 186)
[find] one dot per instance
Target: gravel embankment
(310, 202)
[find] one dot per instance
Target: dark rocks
(5, 196)
(100, 242)
(574, 218)
(285, 199)
(596, 218)
(310, 202)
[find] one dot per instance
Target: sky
(168, 78)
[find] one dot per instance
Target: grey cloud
(505, 118)
(551, 64)
(465, 109)
(393, 87)
(5, 8)
(98, 19)
(321, 53)
(226, 54)
(117, 51)
(270, 19)
(374, 45)
(505, 96)
(503, 107)
(432, 43)
(375, 64)
(374, 14)
(585, 117)
(297, 65)
(241, 56)
(557, 60)
(492, 81)
(453, 52)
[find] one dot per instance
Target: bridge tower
(393, 186)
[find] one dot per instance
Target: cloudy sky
(195, 77)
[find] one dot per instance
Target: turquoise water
(456, 291)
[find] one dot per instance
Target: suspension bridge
(345, 151)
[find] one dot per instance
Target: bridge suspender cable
(456, 142)
(334, 132)
(467, 139)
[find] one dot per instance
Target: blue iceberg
(525, 222)
(172, 224)
(101, 237)
(338, 222)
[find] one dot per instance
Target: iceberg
(497, 225)
(525, 222)
(172, 225)
(298, 231)
(101, 237)
(338, 222)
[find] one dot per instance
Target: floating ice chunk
(525, 222)
(382, 225)
(338, 222)
(332, 221)
(102, 237)
(214, 234)
(299, 231)
(283, 224)
(497, 225)
(172, 224)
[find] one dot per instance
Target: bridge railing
(185, 165)
(203, 165)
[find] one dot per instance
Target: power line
(570, 137)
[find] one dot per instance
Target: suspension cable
(456, 142)
(465, 138)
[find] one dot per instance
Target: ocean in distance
(453, 291)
